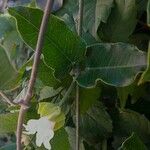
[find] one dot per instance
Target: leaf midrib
(114, 67)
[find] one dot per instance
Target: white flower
(44, 129)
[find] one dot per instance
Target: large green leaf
(121, 22)
(7, 71)
(62, 48)
(116, 64)
(133, 143)
(97, 122)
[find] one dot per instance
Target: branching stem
(80, 21)
(24, 104)
(7, 100)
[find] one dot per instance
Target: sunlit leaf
(53, 112)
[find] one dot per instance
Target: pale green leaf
(53, 112)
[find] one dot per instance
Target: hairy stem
(24, 104)
(80, 21)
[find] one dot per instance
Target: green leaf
(8, 122)
(53, 112)
(46, 75)
(97, 122)
(95, 12)
(148, 13)
(60, 140)
(121, 22)
(130, 121)
(62, 48)
(7, 25)
(102, 12)
(133, 143)
(134, 90)
(7, 72)
(146, 74)
(71, 134)
(48, 92)
(9, 147)
(115, 64)
(88, 97)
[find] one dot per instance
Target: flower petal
(47, 145)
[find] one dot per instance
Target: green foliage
(133, 143)
(60, 140)
(97, 122)
(115, 64)
(9, 147)
(66, 49)
(108, 72)
(8, 122)
(121, 22)
(53, 112)
(88, 97)
(8, 72)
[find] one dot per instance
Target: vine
(25, 103)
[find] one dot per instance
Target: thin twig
(80, 22)
(7, 100)
(33, 76)
(68, 92)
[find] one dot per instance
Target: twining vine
(25, 103)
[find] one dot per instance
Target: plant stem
(80, 21)
(7, 100)
(104, 144)
(24, 104)
(68, 92)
